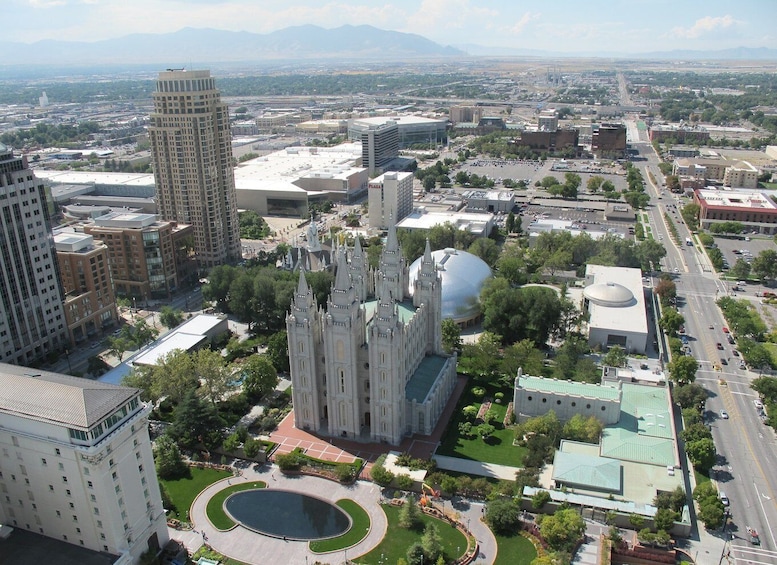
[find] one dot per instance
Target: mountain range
(298, 43)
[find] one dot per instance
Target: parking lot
(735, 249)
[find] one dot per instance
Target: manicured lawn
(396, 543)
(215, 508)
(183, 491)
(360, 527)
(700, 477)
(499, 449)
(215, 556)
(514, 550)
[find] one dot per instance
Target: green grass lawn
(499, 449)
(215, 556)
(514, 550)
(700, 477)
(772, 347)
(360, 527)
(183, 491)
(215, 508)
(396, 543)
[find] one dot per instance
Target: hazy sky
(560, 25)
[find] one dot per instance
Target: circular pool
(286, 514)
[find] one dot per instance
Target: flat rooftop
(422, 219)
(573, 388)
(292, 163)
(27, 548)
(736, 200)
(626, 318)
(97, 178)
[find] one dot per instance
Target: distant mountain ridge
(190, 46)
(304, 42)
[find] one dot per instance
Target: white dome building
(463, 275)
(618, 315)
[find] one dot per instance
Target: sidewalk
(249, 547)
(471, 467)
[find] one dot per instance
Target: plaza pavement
(253, 548)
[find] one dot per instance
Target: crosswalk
(750, 554)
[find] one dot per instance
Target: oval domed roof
(463, 275)
(612, 295)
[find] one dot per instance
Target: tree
(431, 542)
(711, 513)
(694, 432)
(429, 183)
(690, 214)
(215, 377)
(671, 321)
(522, 355)
(616, 357)
(690, 395)
(485, 248)
(665, 518)
(251, 447)
(682, 369)
(539, 499)
(142, 333)
(482, 357)
(259, 376)
(410, 514)
(196, 421)
(169, 317)
(580, 428)
(649, 254)
(666, 289)
(485, 431)
(562, 529)
(119, 345)
(701, 453)
(503, 516)
(608, 188)
(740, 270)
(765, 264)
(415, 554)
(381, 476)
(594, 183)
(278, 351)
(451, 336)
(167, 457)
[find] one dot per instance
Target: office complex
(32, 320)
(149, 258)
(192, 154)
(90, 305)
(390, 198)
(380, 143)
(76, 463)
(370, 366)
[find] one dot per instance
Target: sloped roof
(628, 446)
(59, 399)
(587, 471)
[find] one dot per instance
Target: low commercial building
(609, 141)
(90, 305)
(678, 134)
(753, 208)
(411, 130)
(479, 224)
(83, 469)
(549, 140)
(614, 298)
(492, 201)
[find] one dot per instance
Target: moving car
(723, 498)
(723, 415)
(723, 361)
(754, 539)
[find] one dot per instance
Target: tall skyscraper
(192, 150)
(32, 319)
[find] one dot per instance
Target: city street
(747, 454)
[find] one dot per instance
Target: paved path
(249, 547)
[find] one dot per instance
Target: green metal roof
(554, 386)
(405, 309)
(587, 471)
(422, 380)
(645, 431)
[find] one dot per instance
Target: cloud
(523, 22)
(438, 17)
(46, 3)
(705, 25)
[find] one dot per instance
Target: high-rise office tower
(32, 319)
(191, 144)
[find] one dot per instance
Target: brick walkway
(289, 438)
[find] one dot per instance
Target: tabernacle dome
(463, 275)
(610, 294)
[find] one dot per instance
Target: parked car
(758, 404)
(730, 340)
(723, 498)
(725, 330)
(735, 352)
(723, 361)
(719, 346)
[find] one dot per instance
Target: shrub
(470, 412)
(381, 476)
(478, 392)
(466, 430)
(251, 447)
(404, 482)
(345, 473)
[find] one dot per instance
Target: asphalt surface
(747, 449)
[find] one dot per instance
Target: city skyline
(563, 26)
